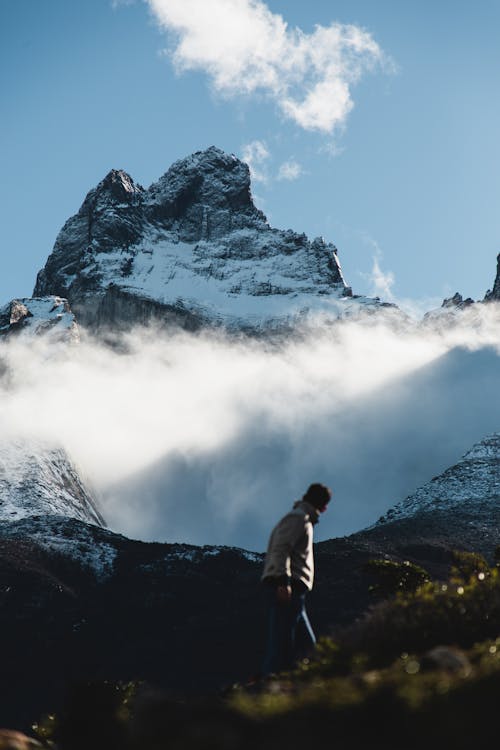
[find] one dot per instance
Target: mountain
(191, 250)
(40, 480)
(457, 303)
(462, 504)
(494, 294)
(48, 315)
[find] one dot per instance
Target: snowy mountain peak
(115, 189)
(191, 250)
(211, 176)
(208, 193)
(494, 294)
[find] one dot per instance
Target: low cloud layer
(205, 439)
(245, 49)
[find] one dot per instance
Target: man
(289, 575)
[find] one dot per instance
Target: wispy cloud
(256, 155)
(245, 49)
(259, 159)
(382, 281)
(332, 148)
(119, 3)
(290, 170)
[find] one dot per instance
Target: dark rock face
(457, 302)
(110, 217)
(208, 194)
(493, 295)
(191, 249)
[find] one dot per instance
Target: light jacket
(289, 554)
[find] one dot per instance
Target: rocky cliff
(493, 295)
(192, 249)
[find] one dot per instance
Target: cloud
(256, 155)
(381, 284)
(333, 149)
(119, 3)
(290, 170)
(207, 439)
(382, 281)
(246, 49)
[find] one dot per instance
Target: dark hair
(318, 495)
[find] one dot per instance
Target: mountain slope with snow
(31, 316)
(192, 249)
(459, 509)
(40, 480)
(472, 483)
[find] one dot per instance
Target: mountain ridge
(192, 249)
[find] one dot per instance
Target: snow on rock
(473, 484)
(179, 553)
(31, 316)
(37, 479)
(453, 306)
(192, 249)
(86, 544)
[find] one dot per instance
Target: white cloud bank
(204, 439)
(246, 49)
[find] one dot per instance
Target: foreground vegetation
(422, 667)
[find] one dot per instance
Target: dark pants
(290, 634)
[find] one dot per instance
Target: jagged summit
(117, 187)
(193, 249)
(209, 178)
(457, 302)
(493, 295)
(209, 192)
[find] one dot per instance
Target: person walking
(288, 576)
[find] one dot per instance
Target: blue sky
(410, 176)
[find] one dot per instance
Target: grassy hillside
(422, 667)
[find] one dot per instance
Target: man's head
(319, 496)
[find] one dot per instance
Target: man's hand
(284, 594)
